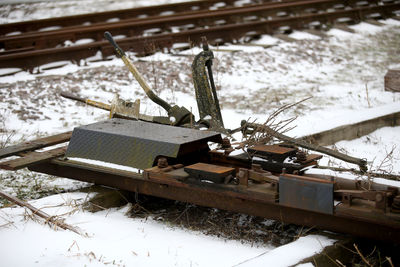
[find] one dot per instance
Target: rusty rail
(138, 26)
(158, 10)
(229, 32)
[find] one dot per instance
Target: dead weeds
(211, 221)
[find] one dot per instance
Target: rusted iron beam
(35, 144)
(224, 198)
(353, 131)
(30, 158)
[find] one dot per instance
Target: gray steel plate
(135, 143)
(307, 194)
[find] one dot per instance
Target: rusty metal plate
(135, 143)
(210, 172)
(276, 152)
(306, 193)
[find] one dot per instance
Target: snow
(113, 238)
(303, 35)
(298, 250)
(104, 164)
(380, 147)
(252, 82)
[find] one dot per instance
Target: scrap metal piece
(209, 172)
(119, 106)
(306, 193)
(136, 143)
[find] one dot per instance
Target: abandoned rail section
(147, 33)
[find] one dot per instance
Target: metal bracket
(379, 197)
(257, 174)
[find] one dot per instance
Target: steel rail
(100, 17)
(27, 26)
(138, 26)
(225, 33)
(227, 198)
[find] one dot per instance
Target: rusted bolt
(162, 163)
(378, 197)
(226, 143)
(396, 204)
(301, 156)
(256, 167)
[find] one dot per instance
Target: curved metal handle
(136, 74)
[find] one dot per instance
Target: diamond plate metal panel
(306, 193)
(135, 143)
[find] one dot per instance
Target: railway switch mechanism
(174, 160)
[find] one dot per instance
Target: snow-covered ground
(343, 73)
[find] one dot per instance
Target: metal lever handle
(120, 52)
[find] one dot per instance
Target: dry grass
(219, 223)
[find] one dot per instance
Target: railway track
(148, 31)
(116, 15)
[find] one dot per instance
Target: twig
(340, 263)
(336, 262)
(361, 255)
(40, 213)
(6, 224)
(387, 159)
(366, 90)
(259, 255)
(390, 261)
(373, 174)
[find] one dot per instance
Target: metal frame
(225, 197)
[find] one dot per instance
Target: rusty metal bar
(35, 144)
(30, 158)
(353, 131)
(224, 198)
(304, 144)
